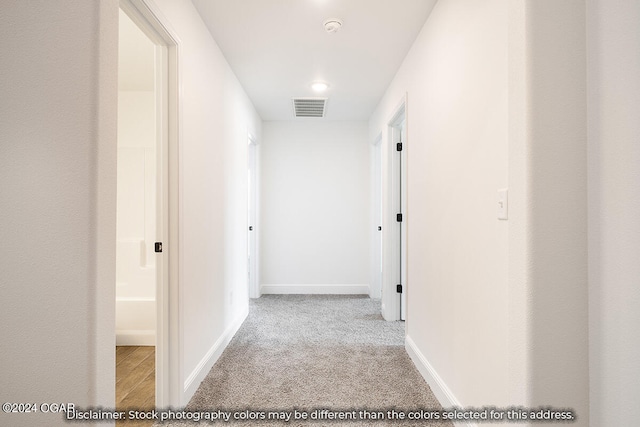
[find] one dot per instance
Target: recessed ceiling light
(319, 86)
(332, 25)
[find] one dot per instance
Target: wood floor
(135, 381)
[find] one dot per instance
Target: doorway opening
(252, 218)
(137, 218)
(377, 217)
(147, 315)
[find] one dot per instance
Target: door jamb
(376, 218)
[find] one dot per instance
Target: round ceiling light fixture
(332, 25)
(319, 86)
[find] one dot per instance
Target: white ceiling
(277, 48)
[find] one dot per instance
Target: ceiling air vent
(309, 107)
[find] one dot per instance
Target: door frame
(253, 217)
(394, 243)
(375, 290)
(168, 294)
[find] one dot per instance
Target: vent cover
(309, 107)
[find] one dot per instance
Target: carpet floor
(323, 357)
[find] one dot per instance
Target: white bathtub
(135, 321)
(135, 294)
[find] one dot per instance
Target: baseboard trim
(315, 289)
(193, 381)
(442, 392)
(135, 337)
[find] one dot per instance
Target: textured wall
(548, 149)
(57, 204)
(614, 210)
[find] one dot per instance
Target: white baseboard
(135, 337)
(193, 381)
(315, 289)
(442, 392)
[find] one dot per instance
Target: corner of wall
(106, 100)
(438, 386)
(548, 224)
(192, 382)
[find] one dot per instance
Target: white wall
(455, 77)
(314, 207)
(495, 95)
(58, 210)
(614, 210)
(548, 292)
(136, 213)
(216, 118)
(57, 204)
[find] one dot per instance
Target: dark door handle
(379, 228)
(251, 228)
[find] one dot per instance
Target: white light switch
(503, 204)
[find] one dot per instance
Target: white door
(252, 240)
(402, 229)
(399, 208)
(377, 255)
(394, 208)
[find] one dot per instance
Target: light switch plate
(503, 204)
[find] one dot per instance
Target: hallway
(521, 157)
(309, 352)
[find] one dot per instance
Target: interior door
(377, 253)
(402, 229)
(252, 219)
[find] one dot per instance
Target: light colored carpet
(309, 352)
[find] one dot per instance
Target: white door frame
(395, 243)
(375, 291)
(253, 235)
(168, 339)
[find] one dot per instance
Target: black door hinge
(399, 146)
(399, 217)
(158, 247)
(379, 228)
(399, 289)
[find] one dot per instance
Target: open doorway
(137, 258)
(376, 217)
(252, 218)
(147, 303)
